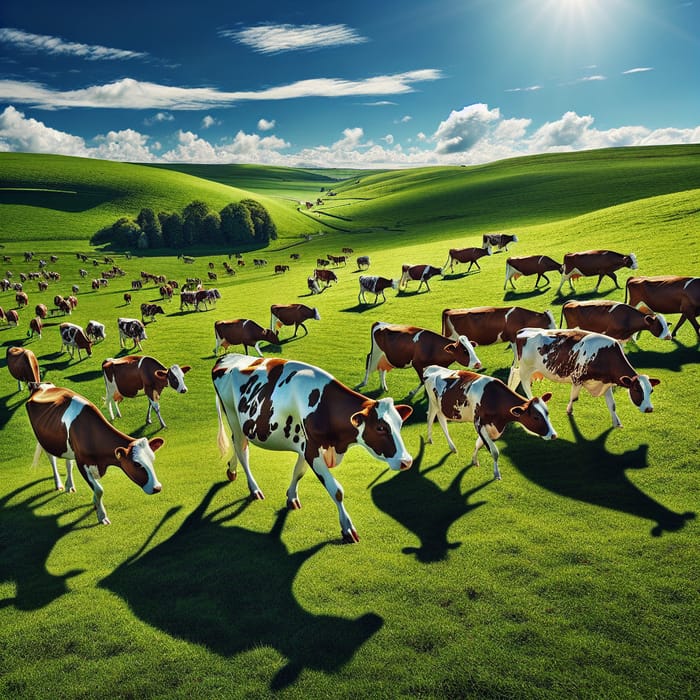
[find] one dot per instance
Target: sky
(362, 84)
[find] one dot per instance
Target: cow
(70, 427)
(72, 337)
(35, 327)
(133, 329)
(313, 285)
(23, 366)
(242, 331)
(488, 403)
(166, 292)
(95, 331)
(150, 311)
(338, 259)
(465, 255)
(374, 285)
(41, 310)
(127, 298)
(126, 376)
(212, 276)
(22, 299)
(206, 297)
(418, 272)
(363, 262)
(322, 262)
(284, 405)
(668, 294)
(589, 263)
(498, 240)
(400, 346)
(292, 315)
(531, 265)
(585, 359)
(326, 276)
(279, 269)
(620, 321)
(12, 317)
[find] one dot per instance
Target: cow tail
(222, 439)
(37, 454)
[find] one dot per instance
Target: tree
(236, 223)
(151, 226)
(171, 225)
(265, 229)
(125, 232)
(211, 228)
(193, 217)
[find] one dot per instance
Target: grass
(575, 576)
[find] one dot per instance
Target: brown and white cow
(12, 317)
(400, 346)
(284, 405)
(527, 265)
(126, 376)
(418, 272)
(668, 294)
(41, 310)
(486, 402)
(279, 269)
(150, 311)
(23, 366)
(338, 259)
(498, 240)
(314, 286)
(242, 331)
(72, 337)
(132, 329)
(323, 275)
(127, 298)
(292, 315)
(95, 331)
(589, 263)
(465, 255)
(584, 359)
(68, 426)
(35, 326)
(374, 285)
(618, 320)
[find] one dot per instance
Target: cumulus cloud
(208, 121)
(464, 128)
(17, 133)
(266, 124)
(159, 118)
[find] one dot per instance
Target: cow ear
(161, 373)
(120, 453)
(626, 382)
(404, 411)
(546, 396)
(451, 348)
(648, 320)
(185, 369)
(654, 382)
(357, 419)
(156, 443)
(518, 411)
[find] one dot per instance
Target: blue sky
(346, 84)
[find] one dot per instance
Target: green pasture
(576, 576)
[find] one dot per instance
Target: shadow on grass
(673, 361)
(417, 503)
(585, 471)
(230, 590)
(514, 295)
(26, 541)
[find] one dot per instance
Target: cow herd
(287, 405)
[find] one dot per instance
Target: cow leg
(300, 468)
(610, 401)
(613, 277)
(575, 391)
(58, 484)
(563, 279)
(374, 357)
(91, 475)
(155, 405)
(335, 491)
(241, 449)
(484, 439)
(600, 279)
(257, 349)
(433, 413)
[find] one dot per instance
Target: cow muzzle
(406, 464)
(649, 409)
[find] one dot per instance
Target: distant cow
(312, 284)
(284, 405)
(374, 285)
(22, 299)
(126, 376)
(418, 272)
(326, 276)
(322, 262)
(72, 337)
(150, 311)
(35, 326)
(127, 298)
(132, 329)
(12, 317)
(398, 346)
(242, 331)
(70, 427)
(603, 263)
(41, 310)
(530, 265)
(593, 361)
(363, 262)
(338, 259)
(498, 240)
(465, 255)
(668, 294)
(23, 366)
(95, 331)
(281, 268)
(486, 402)
(292, 315)
(618, 320)
(166, 292)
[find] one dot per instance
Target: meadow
(575, 576)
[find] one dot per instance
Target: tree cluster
(246, 223)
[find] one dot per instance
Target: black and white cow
(132, 329)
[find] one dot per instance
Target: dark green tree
(150, 225)
(125, 232)
(237, 224)
(193, 222)
(171, 225)
(265, 229)
(211, 228)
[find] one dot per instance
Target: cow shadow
(560, 298)
(87, 376)
(231, 590)
(361, 308)
(11, 402)
(585, 471)
(673, 361)
(26, 541)
(448, 276)
(514, 295)
(423, 508)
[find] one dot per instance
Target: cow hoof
(71, 489)
(231, 475)
(257, 495)
(59, 488)
(105, 521)
(350, 537)
(294, 504)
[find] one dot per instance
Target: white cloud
(208, 121)
(464, 128)
(637, 70)
(159, 118)
(57, 46)
(266, 124)
(388, 139)
(565, 133)
(530, 88)
(126, 145)
(277, 38)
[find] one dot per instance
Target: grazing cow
(72, 337)
(338, 259)
(150, 311)
(312, 284)
(418, 272)
(207, 297)
(326, 276)
(363, 262)
(595, 262)
(35, 326)
(23, 366)
(95, 331)
(41, 310)
(465, 255)
(70, 427)
(292, 315)
(12, 317)
(281, 268)
(127, 298)
(212, 276)
(349, 251)
(486, 402)
(530, 265)
(498, 240)
(321, 262)
(126, 376)
(22, 299)
(166, 292)
(284, 405)
(133, 329)
(243, 332)
(618, 320)
(668, 294)
(593, 361)
(374, 285)
(399, 346)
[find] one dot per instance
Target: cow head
(640, 388)
(631, 261)
(379, 431)
(175, 376)
(136, 460)
(657, 326)
(270, 336)
(463, 351)
(534, 416)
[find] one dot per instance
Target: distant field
(573, 577)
